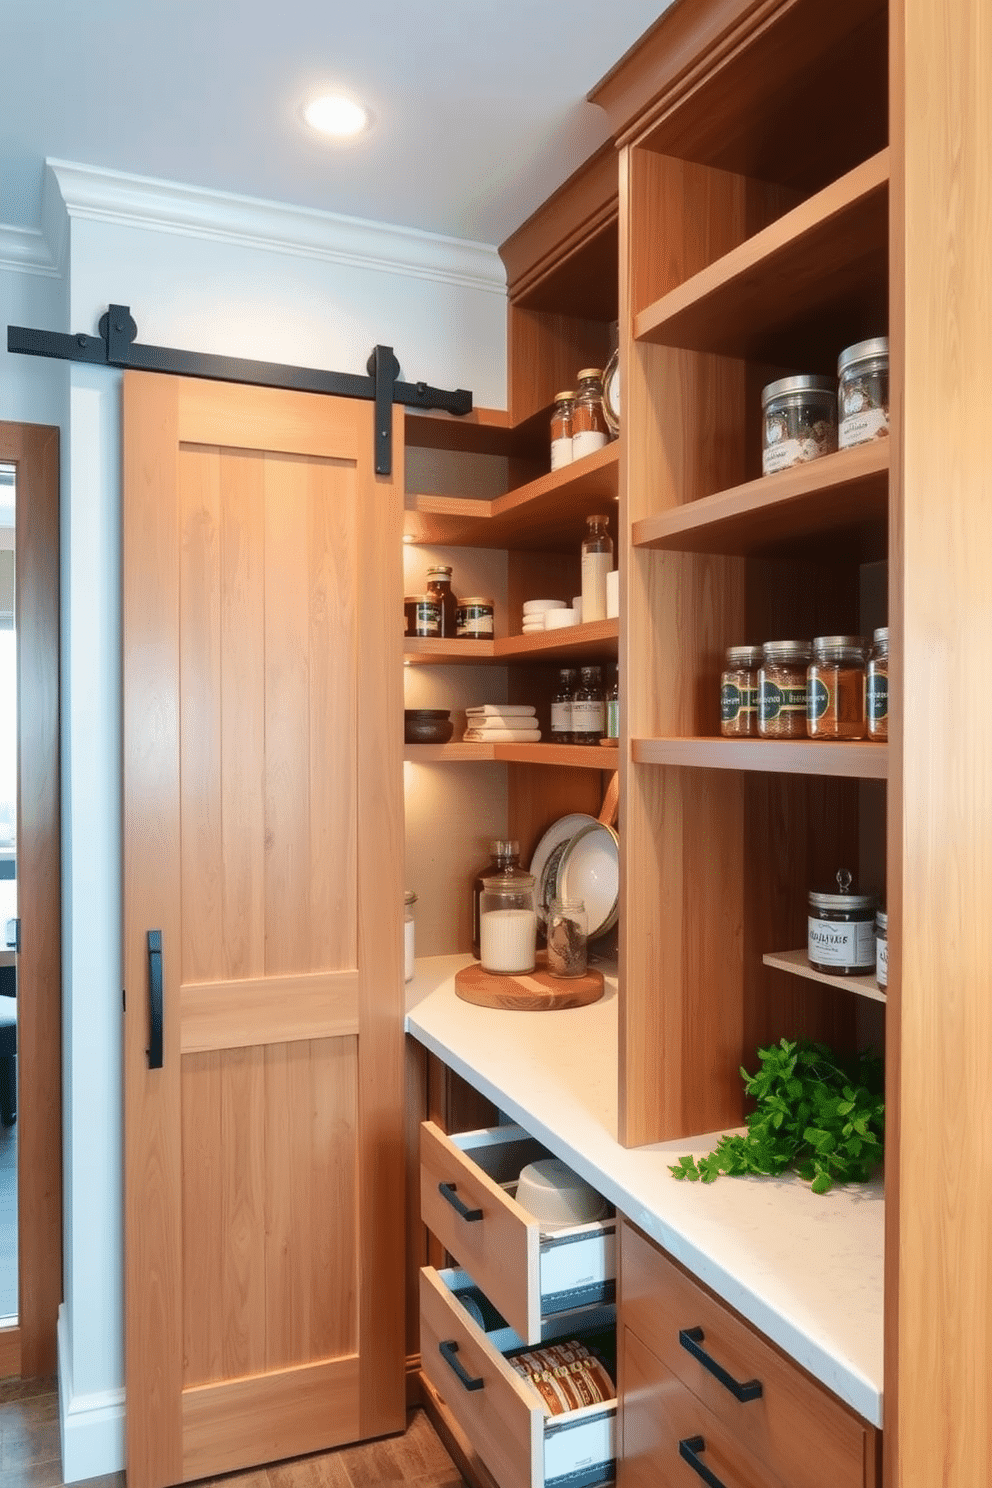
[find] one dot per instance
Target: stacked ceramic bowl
(549, 614)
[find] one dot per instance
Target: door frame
(29, 1349)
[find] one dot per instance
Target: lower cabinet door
(503, 1416)
(669, 1438)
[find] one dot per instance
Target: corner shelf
(776, 756)
(825, 254)
(838, 492)
(547, 513)
(596, 641)
(581, 756)
(797, 964)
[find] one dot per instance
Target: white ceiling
(480, 105)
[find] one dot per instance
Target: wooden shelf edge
(439, 754)
(485, 431)
(797, 964)
(791, 501)
(430, 651)
(776, 756)
(573, 756)
(596, 639)
(842, 196)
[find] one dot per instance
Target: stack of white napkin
(501, 723)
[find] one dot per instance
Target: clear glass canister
(597, 562)
(561, 430)
(739, 692)
(409, 945)
(835, 688)
(782, 689)
(800, 421)
(877, 685)
(589, 427)
(882, 949)
(508, 924)
(504, 862)
(567, 938)
(841, 930)
(863, 392)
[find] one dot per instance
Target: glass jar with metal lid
(782, 690)
(882, 949)
(589, 429)
(841, 930)
(739, 692)
(800, 421)
(835, 688)
(474, 618)
(877, 685)
(863, 392)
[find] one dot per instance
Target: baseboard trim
(91, 1426)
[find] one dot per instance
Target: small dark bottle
(504, 858)
(561, 707)
(439, 589)
(589, 707)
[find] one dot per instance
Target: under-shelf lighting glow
(336, 115)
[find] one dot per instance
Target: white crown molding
(26, 250)
(168, 206)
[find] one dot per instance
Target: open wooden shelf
(837, 493)
(823, 262)
(596, 641)
(581, 756)
(547, 513)
(797, 964)
(775, 756)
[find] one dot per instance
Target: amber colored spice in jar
(739, 692)
(835, 688)
(782, 690)
(877, 686)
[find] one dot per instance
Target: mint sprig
(817, 1112)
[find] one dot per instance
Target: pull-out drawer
(769, 1405)
(503, 1417)
(670, 1437)
(467, 1183)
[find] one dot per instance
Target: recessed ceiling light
(337, 115)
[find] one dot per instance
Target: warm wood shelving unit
(572, 756)
(796, 963)
(597, 640)
(776, 756)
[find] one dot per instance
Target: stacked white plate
(535, 610)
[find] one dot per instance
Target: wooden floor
(30, 1456)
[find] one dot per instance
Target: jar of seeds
(800, 421)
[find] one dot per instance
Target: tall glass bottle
(597, 560)
(589, 707)
(561, 707)
(439, 589)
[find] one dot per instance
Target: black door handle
(155, 999)
(691, 1338)
(447, 1191)
(449, 1352)
(689, 1448)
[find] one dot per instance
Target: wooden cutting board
(531, 992)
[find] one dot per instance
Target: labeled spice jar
(782, 689)
(589, 427)
(439, 589)
(423, 615)
(739, 692)
(863, 392)
(882, 949)
(841, 930)
(877, 685)
(567, 931)
(561, 430)
(474, 618)
(835, 688)
(800, 421)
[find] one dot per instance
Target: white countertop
(806, 1270)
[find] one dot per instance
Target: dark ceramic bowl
(427, 726)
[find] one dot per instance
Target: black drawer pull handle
(688, 1448)
(156, 1008)
(448, 1354)
(691, 1338)
(447, 1191)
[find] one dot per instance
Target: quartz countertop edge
(806, 1270)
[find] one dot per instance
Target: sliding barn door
(263, 854)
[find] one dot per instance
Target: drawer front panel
(499, 1249)
(658, 1414)
(795, 1426)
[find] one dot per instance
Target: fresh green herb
(817, 1112)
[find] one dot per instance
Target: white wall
(244, 279)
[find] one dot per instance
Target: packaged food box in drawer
(467, 1199)
(507, 1417)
